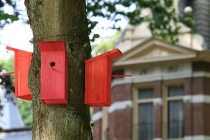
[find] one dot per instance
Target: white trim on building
(149, 78)
(197, 137)
(120, 105)
(96, 116)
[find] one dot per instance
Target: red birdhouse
(22, 64)
(54, 72)
(98, 78)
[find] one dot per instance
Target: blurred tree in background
(164, 21)
(8, 65)
(106, 44)
(6, 18)
(25, 108)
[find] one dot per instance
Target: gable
(153, 50)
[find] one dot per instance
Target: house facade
(167, 97)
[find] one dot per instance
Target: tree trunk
(66, 20)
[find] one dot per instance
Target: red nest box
(54, 72)
(98, 78)
(22, 64)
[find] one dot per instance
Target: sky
(18, 34)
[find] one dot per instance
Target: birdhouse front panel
(54, 73)
(22, 64)
(98, 79)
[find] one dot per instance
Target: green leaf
(4, 16)
(96, 35)
(13, 18)
(92, 124)
(85, 45)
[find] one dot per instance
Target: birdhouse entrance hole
(52, 64)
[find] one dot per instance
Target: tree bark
(66, 20)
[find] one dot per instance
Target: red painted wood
(98, 79)
(54, 79)
(112, 54)
(22, 64)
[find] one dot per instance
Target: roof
(133, 35)
(11, 123)
(154, 50)
(22, 135)
(10, 117)
(112, 54)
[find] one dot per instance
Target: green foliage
(163, 23)
(25, 108)
(188, 21)
(106, 44)
(6, 18)
(106, 9)
(8, 65)
(85, 45)
(92, 124)
(94, 37)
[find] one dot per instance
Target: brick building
(168, 95)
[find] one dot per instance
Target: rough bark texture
(65, 20)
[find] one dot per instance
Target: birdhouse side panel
(15, 76)
(66, 78)
(53, 77)
(109, 70)
(22, 65)
(96, 82)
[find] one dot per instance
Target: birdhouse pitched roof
(112, 54)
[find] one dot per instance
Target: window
(172, 111)
(145, 114)
(175, 112)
